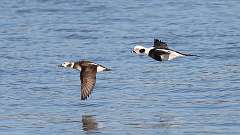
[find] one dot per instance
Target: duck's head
(67, 65)
(139, 50)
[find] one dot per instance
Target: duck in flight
(159, 51)
(88, 71)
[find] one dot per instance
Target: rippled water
(185, 96)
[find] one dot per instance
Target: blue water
(185, 96)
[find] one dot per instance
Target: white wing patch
(100, 68)
(171, 55)
(174, 55)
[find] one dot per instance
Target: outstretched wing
(157, 54)
(88, 80)
(158, 44)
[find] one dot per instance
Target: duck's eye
(142, 50)
(69, 65)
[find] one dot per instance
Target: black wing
(88, 80)
(158, 44)
(157, 53)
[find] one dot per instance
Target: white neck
(72, 64)
(147, 50)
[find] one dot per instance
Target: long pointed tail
(188, 54)
(185, 54)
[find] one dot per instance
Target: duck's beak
(107, 69)
(60, 65)
(133, 51)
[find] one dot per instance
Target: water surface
(186, 96)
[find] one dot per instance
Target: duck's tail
(189, 54)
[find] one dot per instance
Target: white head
(67, 64)
(141, 50)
